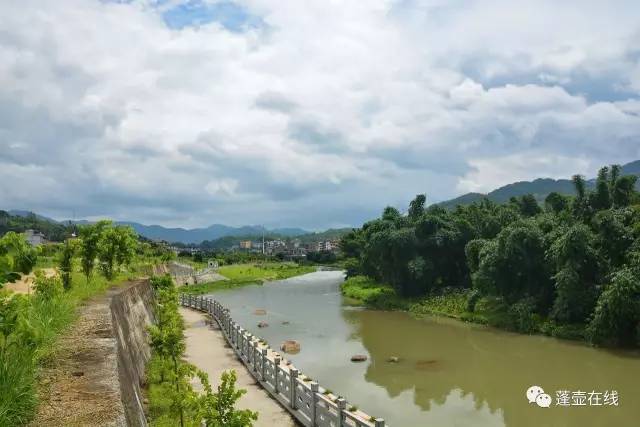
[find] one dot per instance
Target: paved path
(208, 350)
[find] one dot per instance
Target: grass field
(245, 274)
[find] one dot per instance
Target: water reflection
(449, 373)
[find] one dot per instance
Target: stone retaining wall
(132, 313)
(311, 404)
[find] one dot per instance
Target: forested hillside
(53, 231)
(539, 188)
(572, 263)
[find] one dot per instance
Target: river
(449, 374)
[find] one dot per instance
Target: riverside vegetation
(30, 324)
(569, 269)
(172, 399)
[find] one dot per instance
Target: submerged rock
(393, 359)
(290, 346)
(260, 312)
(263, 325)
(358, 358)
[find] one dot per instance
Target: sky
(314, 113)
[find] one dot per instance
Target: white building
(35, 238)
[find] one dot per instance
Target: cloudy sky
(311, 113)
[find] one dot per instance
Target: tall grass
(29, 329)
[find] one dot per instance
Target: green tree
(601, 198)
(556, 202)
(513, 266)
(577, 265)
(218, 409)
(617, 314)
(527, 205)
(416, 207)
(65, 263)
(90, 236)
(116, 246)
(624, 193)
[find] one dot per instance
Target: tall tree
(416, 207)
(601, 198)
(65, 263)
(556, 202)
(90, 236)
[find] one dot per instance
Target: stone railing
(305, 399)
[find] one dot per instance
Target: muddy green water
(450, 373)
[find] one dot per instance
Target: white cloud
(324, 114)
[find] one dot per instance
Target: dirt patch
(25, 284)
(80, 386)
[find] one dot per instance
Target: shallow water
(450, 373)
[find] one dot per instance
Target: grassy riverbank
(463, 305)
(250, 273)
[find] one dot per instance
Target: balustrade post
(263, 356)
(314, 402)
(342, 405)
(276, 363)
(293, 375)
(248, 346)
(378, 422)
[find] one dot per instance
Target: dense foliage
(573, 262)
(173, 399)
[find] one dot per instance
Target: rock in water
(290, 346)
(260, 312)
(393, 359)
(263, 325)
(358, 358)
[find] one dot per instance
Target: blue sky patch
(194, 13)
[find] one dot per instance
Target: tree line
(574, 261)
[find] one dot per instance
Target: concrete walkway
(208, 350)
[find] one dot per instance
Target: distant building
(35, 238)
(245, 244)
(272, 247)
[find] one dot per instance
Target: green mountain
(540, 188)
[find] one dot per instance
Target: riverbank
(249, 274)
(207, 349)
(460, 304)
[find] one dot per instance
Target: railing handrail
(259, 358)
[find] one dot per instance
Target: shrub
(472, 299)
(522, 316)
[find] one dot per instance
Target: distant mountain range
(540, 188)
(183, 235)
(216, 231)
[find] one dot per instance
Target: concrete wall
(306, 400)
(132, 313)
